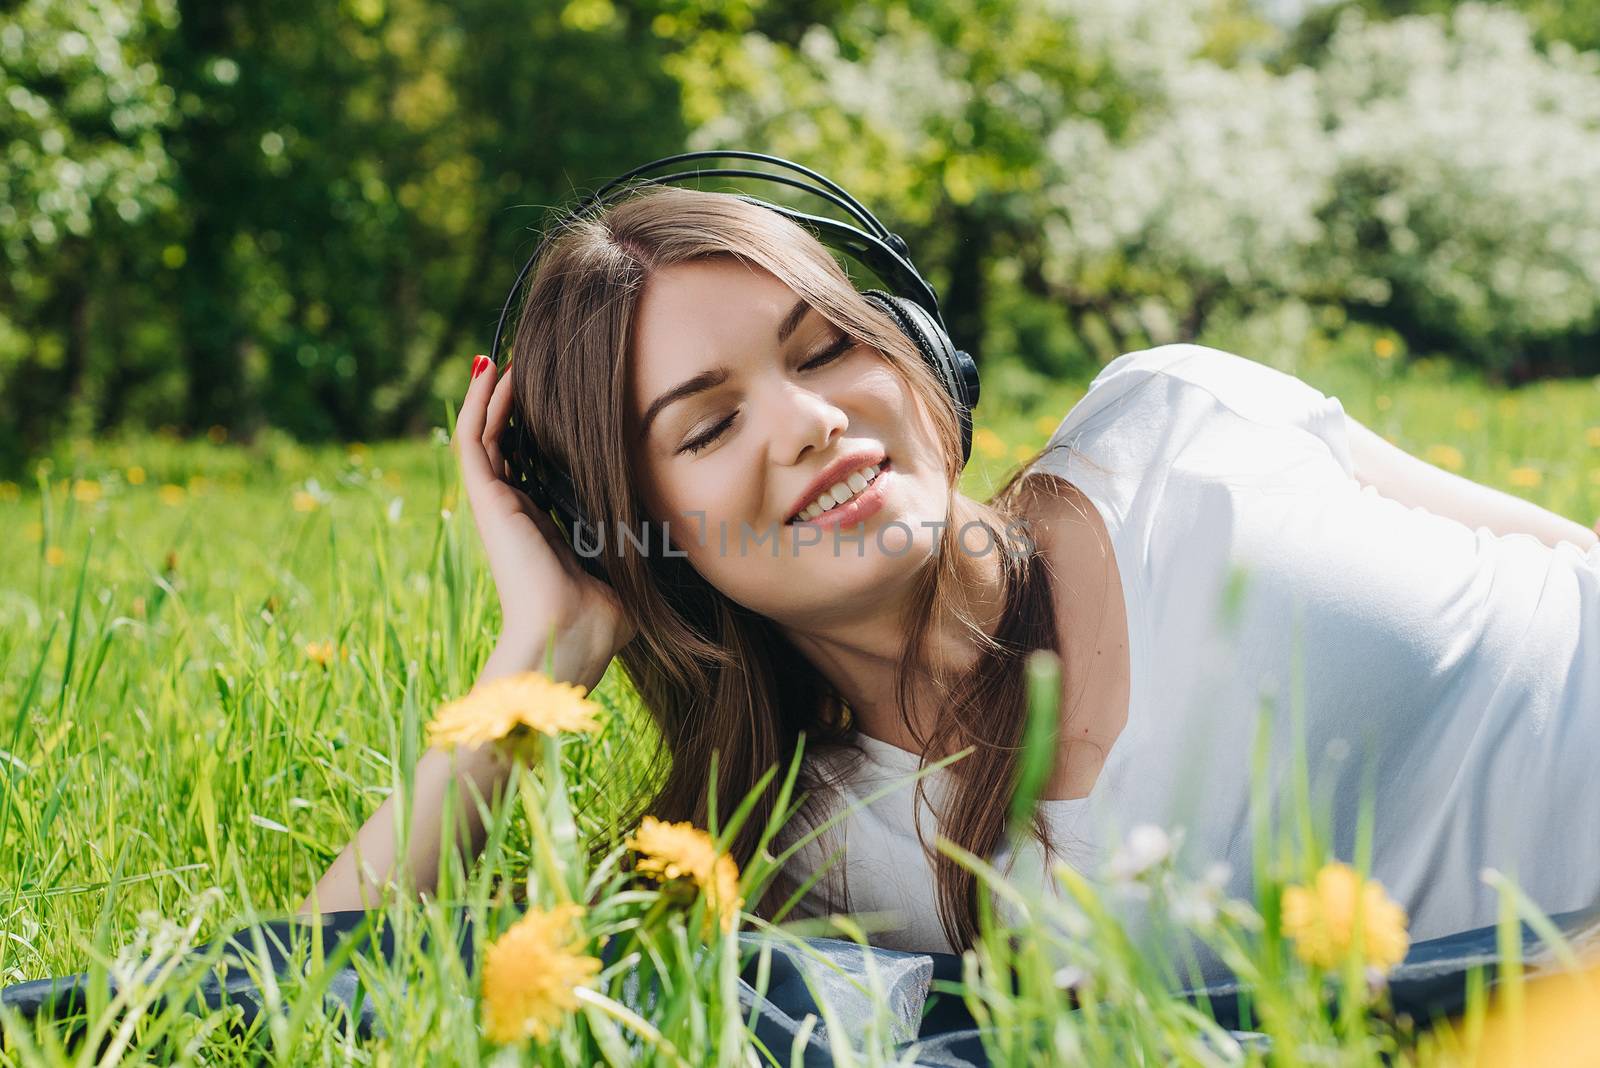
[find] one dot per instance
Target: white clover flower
(1147, 846)
(1198, 904)
(1068, 977)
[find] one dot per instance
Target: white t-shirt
(1464, 665)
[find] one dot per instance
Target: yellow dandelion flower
(55, 556)
(304, 502)
(531, 975)
(86, 491)
(1321, 919)
(1508, 406)
(136, 475)
(510, 711)
(669, 851)
(1384, 348)
(171, 495)
(1046, 424)
(988, 443)
(1526, 477)
(1446, 456)
(1592, 436)
(198, 484)
(1020, 453)
(34, 531)
(1384, 402)
(1469, 419)
(322, 652)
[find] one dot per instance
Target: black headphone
(913, 306)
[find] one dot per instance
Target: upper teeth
(838, 493)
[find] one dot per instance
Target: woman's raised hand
(539, 578)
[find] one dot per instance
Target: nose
(803, 419)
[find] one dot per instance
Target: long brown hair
(715, 676)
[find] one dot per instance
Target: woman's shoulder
(1248, 385)
(1120, 386)
(1161, 397)
(1119, 425)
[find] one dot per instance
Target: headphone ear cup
(517, 452)
(955, 369)
(563, 496)
(551, 490)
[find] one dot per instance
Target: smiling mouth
(828, 502)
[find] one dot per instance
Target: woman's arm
(366, 869)
(1414, 482)
(545, 596)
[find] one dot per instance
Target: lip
(858, 508)
(838, 471)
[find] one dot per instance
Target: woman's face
(733, 419)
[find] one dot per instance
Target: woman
(704, 363)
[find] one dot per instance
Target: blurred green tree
(86, 201)
(358, 181)
(230, 213)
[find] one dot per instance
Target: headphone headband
(884, 253)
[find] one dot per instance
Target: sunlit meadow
(219, 659)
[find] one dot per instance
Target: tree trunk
(963, 300)
(209, 330)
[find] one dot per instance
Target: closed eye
(692, 447)
(837, 348)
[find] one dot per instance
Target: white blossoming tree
(1138, 168)
(1468, 161)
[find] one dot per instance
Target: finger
(469, 420)
(495, 419)
(499, 405)
(475, 464)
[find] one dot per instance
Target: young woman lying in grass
(1202, 534)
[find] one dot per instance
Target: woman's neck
(859, 657)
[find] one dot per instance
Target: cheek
(890, 392)
(885, 388)
(916, 426)
(697, 506)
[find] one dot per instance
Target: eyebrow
(717, 375)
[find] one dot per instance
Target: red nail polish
(479, 365)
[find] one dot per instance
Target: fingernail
(479, 364)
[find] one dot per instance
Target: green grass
(165, 730)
